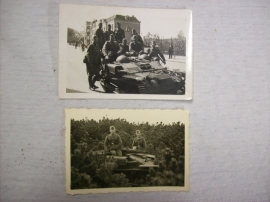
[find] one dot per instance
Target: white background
(229, 113)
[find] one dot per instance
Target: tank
(129, 161)
(139, 75)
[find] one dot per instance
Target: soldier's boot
(94, 78)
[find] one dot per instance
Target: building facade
(127, 24)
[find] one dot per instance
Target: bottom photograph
(126, 150)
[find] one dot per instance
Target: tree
(92, 169)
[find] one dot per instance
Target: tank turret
(122, 59)
(145, 57)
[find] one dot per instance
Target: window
(127, 29)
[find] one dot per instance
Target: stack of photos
(125, 53)
(126, 150)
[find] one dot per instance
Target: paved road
(77, 80)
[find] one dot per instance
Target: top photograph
(124, 53)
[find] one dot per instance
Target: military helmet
(144, 56)
(122, 59)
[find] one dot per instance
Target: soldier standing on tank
(124, 48)
(110, 50)
(156, 53)
(108, 33)
(134, 33)
(136, 47)
(100, 34)
(93, 63)
(119, 33)
(139, 143)
(113, 143)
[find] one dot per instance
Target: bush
(92, 170)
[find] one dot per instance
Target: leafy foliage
(178, 42)
(90, 169)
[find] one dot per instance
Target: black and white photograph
(125, 53)
(126, 150)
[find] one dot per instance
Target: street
(77, 79)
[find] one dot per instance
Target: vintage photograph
(126, 150)
(125, 53)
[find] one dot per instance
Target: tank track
(141, 89)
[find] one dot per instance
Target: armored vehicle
(130, 160)
(141, 75)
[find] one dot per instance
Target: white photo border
(63, 64)
(169, 116)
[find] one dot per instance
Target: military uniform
(154, 52)
(111, 49)
(93, 63)
(138, 37)
(136, 47)
(123, 49)
(119, 34)
(170, 52)
(113, 142)
(107, 34)
(100, 34)
(139, 143)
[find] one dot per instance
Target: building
(127, 24)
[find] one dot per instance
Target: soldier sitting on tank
(124, 48)
(110, 50)
(135, 47)
(139, 143)
(155, 53)
(113, 143)
(134, 33)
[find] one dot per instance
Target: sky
(165, 22)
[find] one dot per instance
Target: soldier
(93, 63)
(134, 33)
(110, 50)
(82, 47)
(155, 52)
(124, 48)
(113, 143)
(170, 51)
(108, 33)
(119, 33)
(139, 143)
(136, 46)
(100, 34)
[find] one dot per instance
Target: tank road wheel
(137, 89)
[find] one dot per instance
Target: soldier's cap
(118, 23)
(109, 25)
(133, 30)
(100, 23)
(124, 39)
